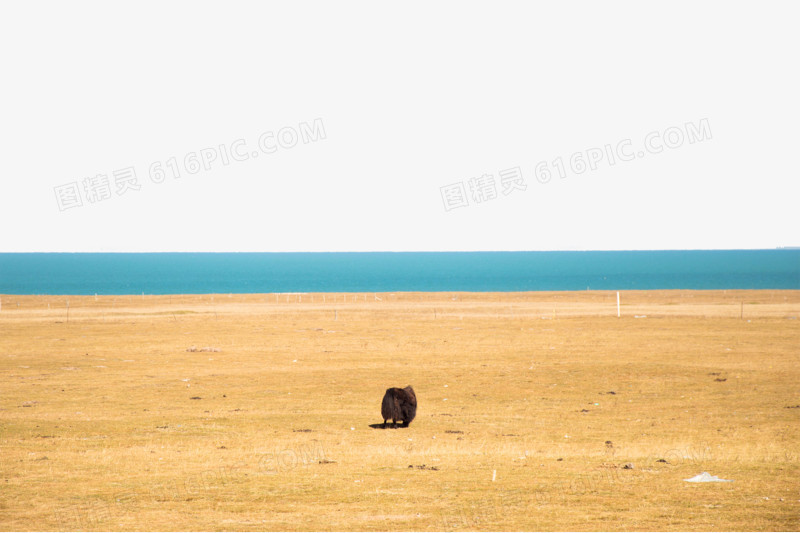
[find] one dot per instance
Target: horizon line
(407, 251)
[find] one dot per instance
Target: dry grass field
(531, 405)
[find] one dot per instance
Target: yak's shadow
(388, 426)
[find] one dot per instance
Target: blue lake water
(198, 273)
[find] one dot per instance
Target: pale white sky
(397, 126)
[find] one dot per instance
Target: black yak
(399, 404)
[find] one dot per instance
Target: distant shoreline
(478, 295)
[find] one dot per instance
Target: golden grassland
(530, 407)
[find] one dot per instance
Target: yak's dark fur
(399, 404)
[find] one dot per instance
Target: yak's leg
(384, 424)
(394, 423)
